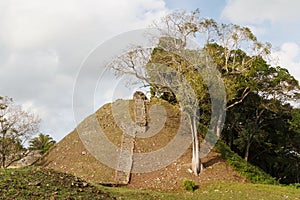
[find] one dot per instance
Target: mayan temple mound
(160, 121)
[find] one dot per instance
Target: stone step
(122, 175)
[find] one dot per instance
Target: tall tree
(16, 126)
(141, 63)
(246, 121)
(261, 130)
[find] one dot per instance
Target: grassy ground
(215, 191)
(40, 183)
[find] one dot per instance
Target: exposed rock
(36, 183)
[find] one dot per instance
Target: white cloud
(34, 22)
(271, 19)
(289, 57)
(256, 30)
(258, 11)
(42, 44)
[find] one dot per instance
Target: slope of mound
(71, 156)
(40, 183)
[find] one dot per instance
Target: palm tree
(42, 143)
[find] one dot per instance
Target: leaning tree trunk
(196, 162)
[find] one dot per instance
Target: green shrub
(189, 185)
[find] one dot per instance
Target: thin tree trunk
(219, 125)
(196, 162)
(3, 161)
(247, 151)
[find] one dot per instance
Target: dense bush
(189, 185)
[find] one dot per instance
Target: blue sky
(277, 31)
(209, 8)
(277, 22)
(43, 43)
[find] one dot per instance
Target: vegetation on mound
(252, 173)
(41, 183)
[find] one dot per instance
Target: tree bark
(196, 162)
(219, 125)
(247, 151)
(3, 161)
(3, 155)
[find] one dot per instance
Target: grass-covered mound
(41, 183)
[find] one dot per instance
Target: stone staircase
(122, 175)
(125, 161)
(140, 112)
